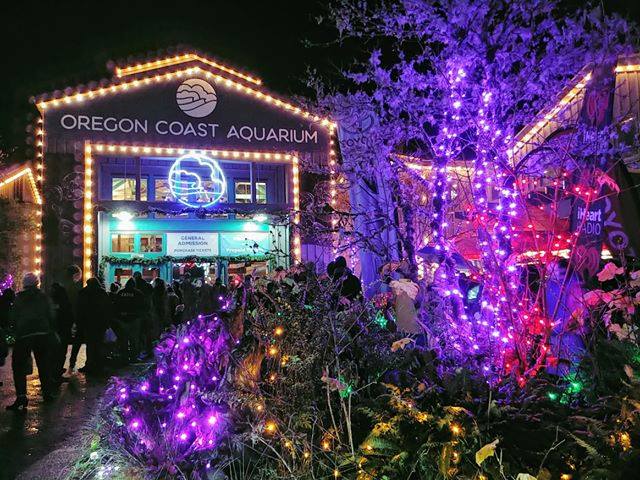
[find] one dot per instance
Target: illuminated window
(163, 192)
(143, 190)
(261, 192)
(151, 243)
(125, 188)
(206, 195)
(121, 243)
(243, 192)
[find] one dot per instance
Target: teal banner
(245, 243)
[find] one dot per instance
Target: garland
(112, 260)
(199, 212)
(194, 259)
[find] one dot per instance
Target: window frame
(121, 234)
(137, 192)
(239, 182)
(161, 236)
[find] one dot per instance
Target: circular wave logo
(196, 98)
(197, 181)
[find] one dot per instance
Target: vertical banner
(587, 216)
(597, 106)
(622, 208)
(622, 223)
(368, 193)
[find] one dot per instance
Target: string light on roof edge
(30, 178)
(526, 135)
(628, 68)
(37, 245)
(187, 57)
(82, 96)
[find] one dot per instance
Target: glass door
(207, 271)
(120, 274)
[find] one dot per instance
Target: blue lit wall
(235, 237)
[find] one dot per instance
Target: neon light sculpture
(191, 186)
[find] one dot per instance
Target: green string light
(380, 319)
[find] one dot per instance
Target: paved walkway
(45, 428)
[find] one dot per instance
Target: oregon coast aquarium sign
(194, 111)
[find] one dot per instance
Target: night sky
(55, 44)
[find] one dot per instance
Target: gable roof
(568, 103)
(17, 172)
(134, 75)
(191, 57)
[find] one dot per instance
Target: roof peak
(172, 57)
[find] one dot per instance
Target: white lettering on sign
(176, 128)
(592, 215)
(250, 134)
(97, 123)
(195, 244)
(591, 221)
(245, 243)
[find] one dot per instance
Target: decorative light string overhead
(178, 59)
(33, 182)
(527, 134)
(120, 87)
(523, 138)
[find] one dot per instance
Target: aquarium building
(174, 162)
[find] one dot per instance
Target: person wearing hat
(32, 316)
(349, 286)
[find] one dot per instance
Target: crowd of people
(120, 326)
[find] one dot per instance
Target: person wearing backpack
(33, 317)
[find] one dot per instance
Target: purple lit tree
(451, 84)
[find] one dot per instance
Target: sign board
(251, 244)
(589, 221)
(195, 244)
(194, 113)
